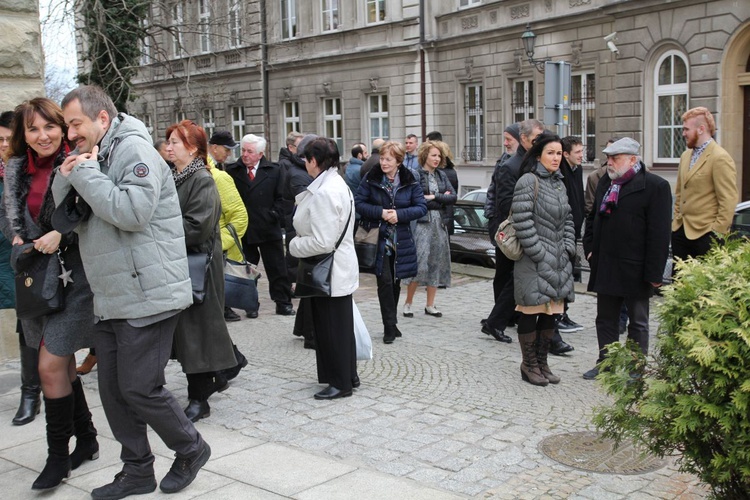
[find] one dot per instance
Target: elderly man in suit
(706, 192)
(626, 241)
(260, 184)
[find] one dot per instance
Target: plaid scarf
(193, 167)
(613, 193)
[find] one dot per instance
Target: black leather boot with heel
(30, 388)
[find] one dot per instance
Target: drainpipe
(422, 71)
(264, 76)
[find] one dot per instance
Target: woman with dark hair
(38, 146)
(389, 198)
(28, 409)
(325, 212)
(431, 231)
(201, 340)
(543, 278)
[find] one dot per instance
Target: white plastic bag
(361, 336)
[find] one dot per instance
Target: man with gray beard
(627, 244)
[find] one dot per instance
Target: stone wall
(21, 60)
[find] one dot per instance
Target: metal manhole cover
(590, 452)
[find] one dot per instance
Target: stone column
(21, 60)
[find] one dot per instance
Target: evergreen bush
(693, 397)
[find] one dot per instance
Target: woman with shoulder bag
(389, 197)
(38, 146)
(324, 222)
(201, 340)
(431, 232)
(543, 277)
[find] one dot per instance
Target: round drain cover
(589, 451)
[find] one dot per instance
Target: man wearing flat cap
(626, 242)
(220, 145)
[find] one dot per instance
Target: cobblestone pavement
(444, 405)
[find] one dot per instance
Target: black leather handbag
(240, 281)
(314, 273)
(198, 267)
(366, 246)
(39, 287)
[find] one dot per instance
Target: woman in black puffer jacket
(543, 277)
(389, 197)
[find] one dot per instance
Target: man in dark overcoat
(260, 184)
(627, 244)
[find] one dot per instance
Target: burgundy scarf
(612, 195)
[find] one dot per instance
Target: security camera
(611, 44)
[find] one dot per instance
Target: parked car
(479, 195)
(741, 221)
(470, 243)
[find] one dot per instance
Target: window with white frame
(238, 122)
(291, 117)
(146, 119)
(378, 114)
(288, 19)
(522, 100)
(178, 10)
(671, 101)
(583, 112)
(208, 121)
(145, 42)
(468, 3)
(332, 121)
(235, 24)
(204, 25)
(330, 10)
(375, 11)
(473, 122)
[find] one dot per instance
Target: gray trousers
(131, 385)
(608, 321)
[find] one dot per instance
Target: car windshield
(470, 216)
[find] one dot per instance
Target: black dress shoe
(388, 339)
(285, 310)
(123, 486)
(560, 347)
(356, 382)
(197, 410)
(230, 315)
(331, 392)
(498, 335)
(252, 314)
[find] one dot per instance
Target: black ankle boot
(30, 388)
(59, 415)
(87, 447)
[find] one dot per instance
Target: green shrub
(693, 397)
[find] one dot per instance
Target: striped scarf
(612, 195)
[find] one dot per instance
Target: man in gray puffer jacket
(127, 216)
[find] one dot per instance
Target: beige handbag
(506, 238)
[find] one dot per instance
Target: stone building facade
(360, 69)
(21, 61)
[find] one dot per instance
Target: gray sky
(58, 43)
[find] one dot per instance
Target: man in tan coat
(706, 190)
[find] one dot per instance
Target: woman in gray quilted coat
(543, 277)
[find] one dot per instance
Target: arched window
(671, 101)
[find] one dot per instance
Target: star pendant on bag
(65, 274)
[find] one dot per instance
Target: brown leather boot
(544, 340)
(529, 367)
(88, 364)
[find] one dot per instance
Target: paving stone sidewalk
(441, 413)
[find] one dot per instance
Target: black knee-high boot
(30, 387)
(87, 447)
(59, 415)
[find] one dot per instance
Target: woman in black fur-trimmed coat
(38, 147)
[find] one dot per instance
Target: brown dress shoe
(88, 364)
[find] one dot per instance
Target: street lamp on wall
(529, 40)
